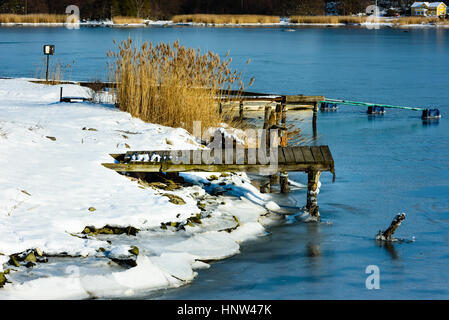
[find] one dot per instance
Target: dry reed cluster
(225, 18)
(363, 19)
(328, 19)
(417, 20)
(170, 84)
(126, 20)
(32, 18)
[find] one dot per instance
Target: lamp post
(49, 50)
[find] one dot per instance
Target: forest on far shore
(165, 9)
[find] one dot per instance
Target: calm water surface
(385, 165)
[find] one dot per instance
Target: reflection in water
(313, 250)
(389, 246)
(431, 122)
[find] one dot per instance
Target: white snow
(53, 185)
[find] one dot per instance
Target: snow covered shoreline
(169, 23)
(65, 219)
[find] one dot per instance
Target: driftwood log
(387, 235)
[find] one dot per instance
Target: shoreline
(169, 23)
(114, 235)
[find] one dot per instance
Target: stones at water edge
(92, 231)
(30, 257)
(134, 250)
(13, 261)
(174, 199)
(2, 279)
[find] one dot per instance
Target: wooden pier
(310, 159)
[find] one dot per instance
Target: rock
(174, 199)
(30, 257)
(212, 178)
(224, 175)
(110, 230)
(157, 185)
(39, 252)
(51, 138)
(86, 230)
(134, 250)
(125, 262)
(2, 279)
(201, 206)
(30, 264)
(92, 209)
(13, 261)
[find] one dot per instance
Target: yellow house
(434, 9)
(437, 9)
(420, 8)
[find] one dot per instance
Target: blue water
(385, 165)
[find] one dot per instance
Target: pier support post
(312, 193)
(275, 119)
(283, 179)
(241, 111)
(265, 184)
(315, 115)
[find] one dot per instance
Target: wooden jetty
(310, 159)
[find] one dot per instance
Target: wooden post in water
(274, 179)
(312, 187)
(60, 95)
(285, 188)
(315, 114)
(273, 125)
(265, 185)
(241, 111)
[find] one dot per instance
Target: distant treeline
(165, 9)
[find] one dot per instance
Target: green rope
(366, 104)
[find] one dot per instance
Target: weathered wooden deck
(315, 158)
(311, 159)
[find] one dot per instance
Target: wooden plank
(328, 159)
(148, 167)
(319, 158)
(303, 99)
(316, 152)
(289, 157)
(299, 157)
(281, 156)
(120, 157)
(307, 153)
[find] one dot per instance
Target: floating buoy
(428, 114)
(376, 110)
(328, 106)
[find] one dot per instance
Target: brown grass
(416, 20)
(170, 84)
(225, 18)
(32, 18)
(126, 20)
(362, 19)
(327, 19)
